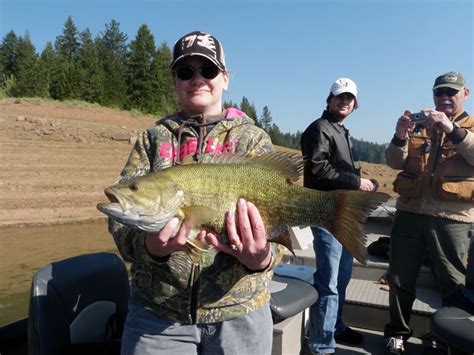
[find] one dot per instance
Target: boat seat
(454, 324)
(78, 305)
(290, 295)
(455, 327)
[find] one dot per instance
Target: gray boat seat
(455, 327)
(454, 324)
(78, 304)
(290, 291)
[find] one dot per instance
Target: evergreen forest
(112, 71)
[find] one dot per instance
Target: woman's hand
(247, 237)
(167, 240)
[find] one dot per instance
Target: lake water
(25, 250)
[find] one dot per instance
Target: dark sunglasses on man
(185, 73)
(449, 92)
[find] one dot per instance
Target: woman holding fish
(185, 301)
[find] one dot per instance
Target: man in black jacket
(332, 164)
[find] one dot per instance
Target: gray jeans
(146, 333)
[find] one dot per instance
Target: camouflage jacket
(218, 287)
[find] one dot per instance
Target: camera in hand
(419, 117)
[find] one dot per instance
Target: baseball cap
(343, 85)
(453, 80)
(201, 44)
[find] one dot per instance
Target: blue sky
(285, 54)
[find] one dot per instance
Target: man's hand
(368, 185)
(247, 237)
(404, 125)
(167, 240)
(439, 121)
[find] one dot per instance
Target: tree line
(108, 70)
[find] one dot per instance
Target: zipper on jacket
(350, 147)
(194, 291)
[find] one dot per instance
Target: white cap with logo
(342, 85)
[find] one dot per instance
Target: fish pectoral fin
(200, 215)
(197, 244)
(194, 248)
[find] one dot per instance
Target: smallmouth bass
(202, 193)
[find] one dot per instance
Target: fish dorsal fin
(288, 164)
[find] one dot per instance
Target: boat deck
(373, 344)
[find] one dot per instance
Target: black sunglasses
(187, 73)
(445, 92)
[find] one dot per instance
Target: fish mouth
(114, 204)
(111, 196)
(120, 205)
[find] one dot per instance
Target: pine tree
(27, 78)
(8, 56)
(266, 119)
(249, 109)
(276, 135)
(140, 74)
(63, 84)
(297, 140)
(90, 73)
(229, 104)
(47, 63)
(164, 90)
(68, 44)
(369, 152)
(65, 76)
(113, 57)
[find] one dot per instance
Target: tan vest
(435, 166)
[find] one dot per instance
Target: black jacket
(330, 160)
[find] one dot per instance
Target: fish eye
(134, 186)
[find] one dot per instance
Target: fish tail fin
(353, 208)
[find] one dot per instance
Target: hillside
(56, 159)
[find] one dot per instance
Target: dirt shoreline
(57, 158)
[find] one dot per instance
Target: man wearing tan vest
(434, 148)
